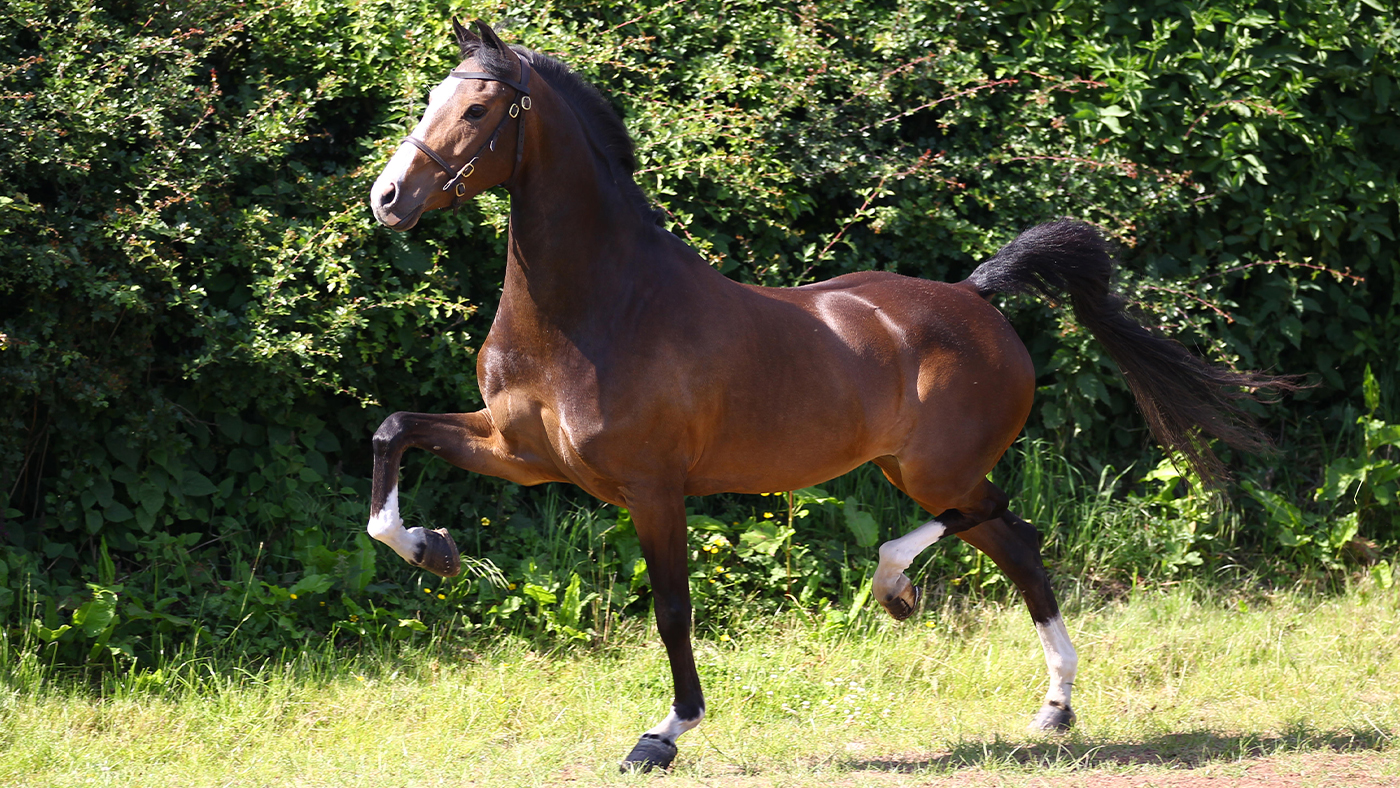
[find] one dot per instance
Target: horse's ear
(464, 34)
(489, 37)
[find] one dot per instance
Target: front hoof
(1053, 717)
(903, 600)
(437, 553)
(650, 753)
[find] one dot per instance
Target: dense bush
(200, 324)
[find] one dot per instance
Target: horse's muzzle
(384, 201)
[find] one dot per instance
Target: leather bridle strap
(521, 102)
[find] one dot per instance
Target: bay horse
(621, 362)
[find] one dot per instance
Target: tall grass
(558, 568)
(1100, 530)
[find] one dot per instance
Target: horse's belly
(799, 442)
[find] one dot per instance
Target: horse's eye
(475, 112)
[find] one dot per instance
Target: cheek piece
(457, 176)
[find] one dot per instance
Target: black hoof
(437, 553)
(902, 605)
(650, 753)
(1053, 718)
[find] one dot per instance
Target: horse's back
(953, 334)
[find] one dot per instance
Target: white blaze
(397, 167)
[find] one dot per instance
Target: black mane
(594, 112)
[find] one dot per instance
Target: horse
(621, 362)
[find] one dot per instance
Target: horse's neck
(578, 247)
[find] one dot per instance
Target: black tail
(1185, 400)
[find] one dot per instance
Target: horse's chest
(536, 400)
(513, 368)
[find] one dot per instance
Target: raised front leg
(1014, 545)
(467, 440)
(660, 522)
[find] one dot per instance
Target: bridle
(521, 102)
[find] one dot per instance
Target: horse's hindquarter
(975, 387)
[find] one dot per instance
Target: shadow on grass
(1173, 750)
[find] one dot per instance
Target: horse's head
(469, 139)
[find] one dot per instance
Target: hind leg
(981, 519)
(891, 587)
(1014, 545)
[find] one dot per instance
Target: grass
(1170, 680)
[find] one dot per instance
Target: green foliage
(1371, 478)
(199, 320)
(200, 324)
(1354, 491)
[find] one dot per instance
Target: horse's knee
(389, 430)
(984, 501)
(672, 618)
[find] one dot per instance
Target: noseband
(521, 102)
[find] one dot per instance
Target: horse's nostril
(389, 194)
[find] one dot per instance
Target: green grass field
(1173, 683)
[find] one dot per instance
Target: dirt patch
(1300, 771)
